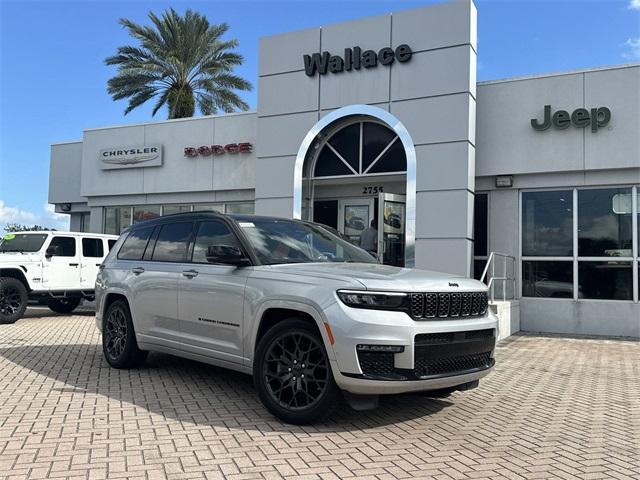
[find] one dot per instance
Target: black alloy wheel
(292, 373)
(119, 343)
(13, 300)
(115, 333)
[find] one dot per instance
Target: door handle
(73, 264)
(137, 270)
(190, 273)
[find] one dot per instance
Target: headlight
(376, 300)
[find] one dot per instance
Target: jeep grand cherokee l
(308, 314)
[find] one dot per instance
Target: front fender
(300, 304)
(17, 271)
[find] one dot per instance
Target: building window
(171, 209)
(116, 219)
(360, 148)
(580, 244)
(604, 231)
(145, 212)
(547, 279)
(246, 208)
(480, 233)
(209, 207)
(547, 224)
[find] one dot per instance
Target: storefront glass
(598, 245)
(604, 223)
(547, 223)
(547, 279)
(145, 212)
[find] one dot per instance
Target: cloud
(634, 4)
(633, 46)
(15, 215)
(47, 218)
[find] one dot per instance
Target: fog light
(380, 348)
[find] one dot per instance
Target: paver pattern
(553, 408)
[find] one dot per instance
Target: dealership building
(381, 119)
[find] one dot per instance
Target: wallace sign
(354, 59)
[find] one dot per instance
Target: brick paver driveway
(553, 407)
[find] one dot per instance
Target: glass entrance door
(354, 217)
(391, 229)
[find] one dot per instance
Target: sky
(53, 78)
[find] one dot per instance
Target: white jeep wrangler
(56, 268)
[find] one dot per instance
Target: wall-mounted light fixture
(504, 181)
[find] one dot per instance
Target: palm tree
(183, 61)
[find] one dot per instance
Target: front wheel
(119, 343)
(13, 300)
(63, 305)
(292, 373)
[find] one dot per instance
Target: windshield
(22, 242)
(286, 241)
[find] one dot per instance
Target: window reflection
(547, 279)
(547, 223)
(601, 231)
(605, 280)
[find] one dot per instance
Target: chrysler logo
(144, 156)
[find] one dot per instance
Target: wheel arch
(271, 313)
(17, 273)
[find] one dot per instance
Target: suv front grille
(449, 304)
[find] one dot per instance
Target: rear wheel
(292, 373)
(13, 300)
(119, 343)
(63, 305)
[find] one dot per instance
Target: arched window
(360, 148)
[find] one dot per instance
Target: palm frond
(183, 60)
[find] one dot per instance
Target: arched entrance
(355, 166)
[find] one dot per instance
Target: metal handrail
(504, 278)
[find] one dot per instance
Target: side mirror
(52, 251)
(226, 254)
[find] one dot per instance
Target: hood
(18, 258)
(374, 276)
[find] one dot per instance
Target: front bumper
(436, 353)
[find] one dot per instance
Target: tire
(283, 354)
(63, 305)
(119, 344)
(13, 300)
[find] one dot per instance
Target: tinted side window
(172, 242)
(133, 247)
(212, 233)
(66, 246)
(111, 243)
(92, 247)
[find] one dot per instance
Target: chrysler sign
(130, 157)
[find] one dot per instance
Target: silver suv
(307, 313)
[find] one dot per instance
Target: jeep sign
(581, 118)
(130, 157)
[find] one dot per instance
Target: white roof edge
(69, 142)
(68, 232)
(558, 74)
(141, 124)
